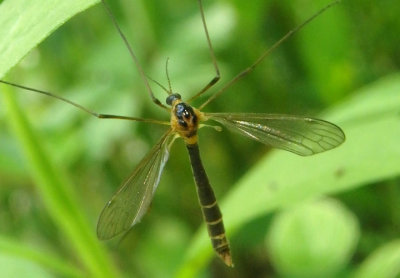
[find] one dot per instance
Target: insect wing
(131, 201)
(300, 135)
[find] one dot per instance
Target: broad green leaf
(370, 153)
(383, 263)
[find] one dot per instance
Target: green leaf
(25, 23)
(383, 263)
(370, 153)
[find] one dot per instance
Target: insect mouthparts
(171, 98)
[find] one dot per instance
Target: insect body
(185, 121)
(300, 135)
(117, 218)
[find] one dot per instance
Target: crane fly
(300, 135)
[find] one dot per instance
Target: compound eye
(186, 114)
(171, 98)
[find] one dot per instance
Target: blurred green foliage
(320, 68)
(291, 232)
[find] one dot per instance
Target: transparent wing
(300, 135)
(133, 198)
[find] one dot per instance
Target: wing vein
(131, 201)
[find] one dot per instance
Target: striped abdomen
(211, 212)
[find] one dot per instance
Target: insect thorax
(185, 120)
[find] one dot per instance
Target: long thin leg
(97, 115)
(266, 53)
(212, 54)
(135, 59)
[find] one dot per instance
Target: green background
(336, 214)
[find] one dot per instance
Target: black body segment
(211, 212)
